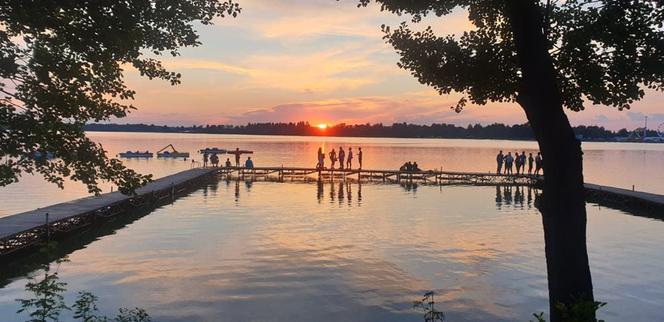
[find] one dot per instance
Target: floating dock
(388, 176)
(25, 229)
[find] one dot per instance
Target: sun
(322, 126)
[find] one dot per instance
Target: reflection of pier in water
(286, 174)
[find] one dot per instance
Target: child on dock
(333, 158)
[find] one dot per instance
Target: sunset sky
(320, 61)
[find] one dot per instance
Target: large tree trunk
(563, 207)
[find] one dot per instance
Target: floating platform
(173, 155)
(212, 151)
(129, 155)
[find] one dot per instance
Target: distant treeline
(397, 130)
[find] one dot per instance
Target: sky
(321, 61)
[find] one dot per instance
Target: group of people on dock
(213, 159)
(520, 160)
(410, 167)
(345, 160)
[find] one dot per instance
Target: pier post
(48, 229)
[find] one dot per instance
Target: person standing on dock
(205, 159)
(342, 157)
(499, 160)
(530, 163)
(538, 163)
(349, 162)
(517, 161)
(249, 164)
(333, 158)
(228, 163)
(523, 162)
(508, 163)
(321, 158)
(237, 157)
(359, 157)
(214, 159)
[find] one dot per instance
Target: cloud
(345, 68)
(421, 108)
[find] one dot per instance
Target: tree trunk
(563, 207)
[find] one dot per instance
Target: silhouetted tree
(61, 66)
(546, 56)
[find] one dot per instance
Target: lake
(238, 251)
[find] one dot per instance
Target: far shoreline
(359, 136)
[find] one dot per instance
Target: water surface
(237, 251)
(617, 164)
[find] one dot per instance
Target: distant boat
(171, 154)
(136, 154)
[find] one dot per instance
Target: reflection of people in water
(237, 190)
(319, 190)
(518, 196)
(507, 194)
(504, 196)
(340, 196)
(359, 193)
(409, 186)
(349, 193)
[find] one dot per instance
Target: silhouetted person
(416, 167)
(499, 160)
(523, 162)
(228, 163)
(359, 157)
(349, 161)
(517, 160)
(342, 158)
(321, 159)
(214, 159)
(249, 164)
(205, 159)
(237, 157)
(538, 163)
(333, 158)
(530, 163)
(508, 163)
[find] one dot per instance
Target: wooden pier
(26, 229)
(283, 174)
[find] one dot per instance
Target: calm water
(615, 164)
(236, 251)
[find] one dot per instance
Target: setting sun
(322, 126)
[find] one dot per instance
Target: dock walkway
(388, 176)
(24, 229)
(625, 195)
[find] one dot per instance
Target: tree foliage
(62, 65)
(605, 51)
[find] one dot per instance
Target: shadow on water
(628, 207)
(22, 264)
